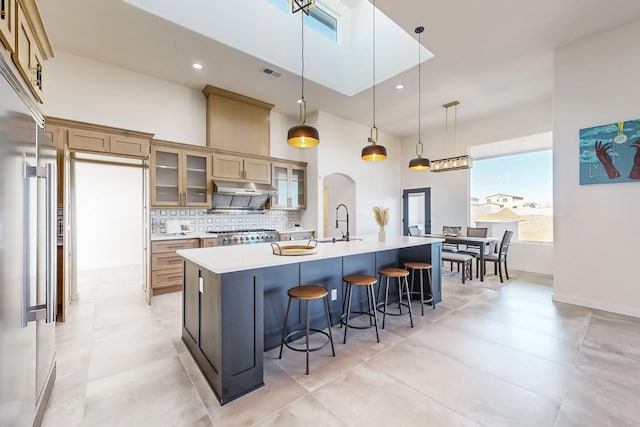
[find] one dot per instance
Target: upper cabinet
(237, 168)
(180, 176)
(90, 138)
(289, 179)
(8, 14)
(31, 46)
(236, 122)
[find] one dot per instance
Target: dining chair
(498, 258)
(475, 232)
(451, 230)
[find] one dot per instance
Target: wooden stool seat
(360, 279)
(418, 265)
(393, 272)
(308, 292)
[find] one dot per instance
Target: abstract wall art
(610, 153)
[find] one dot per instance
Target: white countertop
(228, 259)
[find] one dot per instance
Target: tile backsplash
(200, 220)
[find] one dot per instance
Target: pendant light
(303, 135)
(374, 152)
(419, 163)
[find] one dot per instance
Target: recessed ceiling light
(197, 66)
(400, 86)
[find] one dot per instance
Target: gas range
(244, 237)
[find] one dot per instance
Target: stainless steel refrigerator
(27, 255)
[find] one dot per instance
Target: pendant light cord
(419, 90)
(302, 61)
(374, 64)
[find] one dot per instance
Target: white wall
(109, 216)
(377, 183)
(450, 190)
(596, 226)
(89, 91)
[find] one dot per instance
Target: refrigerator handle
(52, 242)
(35, 312)
(48, 310)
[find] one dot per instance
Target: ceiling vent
(270, 72)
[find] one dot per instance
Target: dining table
(491, 242)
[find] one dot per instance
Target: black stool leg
(346, 326)
(421, 291)
(344, 299)
(307, 338)
(370, 294)
(326, 310)
(406, 285)
(433, 298)
(386, 301)
(284, 328)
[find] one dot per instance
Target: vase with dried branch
(382, 219)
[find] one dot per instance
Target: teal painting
(610, 153)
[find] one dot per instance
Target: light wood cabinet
(167, 266)
(236, 122)
(180, 177)
(238, 168)
(56, 135)
(103, 142)
(8, 14)
(210, 242)
(31, 46)
(290, 180)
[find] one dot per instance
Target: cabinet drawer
(129, 146)
(208, 243)
(88, 140)
(165, 261)
(173, 245)
(166, 278)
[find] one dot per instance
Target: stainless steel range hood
(230, 196)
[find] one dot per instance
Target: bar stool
(359, 280)
(401, 275)
(419, 267)
(307, 293)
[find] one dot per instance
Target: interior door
(416, 210)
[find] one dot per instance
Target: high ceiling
(492, 55)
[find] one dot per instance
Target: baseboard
(598, 305)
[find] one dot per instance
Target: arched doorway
(338, 188)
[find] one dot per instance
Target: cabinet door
(26, 53)
(88, 140)
(129, 146)
(7, 24)
(165, 177)
(281, 183)
(257, 170)
(228, 167)
(196, 179)
(297, 183)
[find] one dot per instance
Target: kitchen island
(235, 298)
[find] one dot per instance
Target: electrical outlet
(334, 294)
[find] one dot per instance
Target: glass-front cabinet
(180, 178)
(289, 179)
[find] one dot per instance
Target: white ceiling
(491, 55)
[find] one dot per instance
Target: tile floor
(485, 356)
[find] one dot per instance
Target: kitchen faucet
(346, 236)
